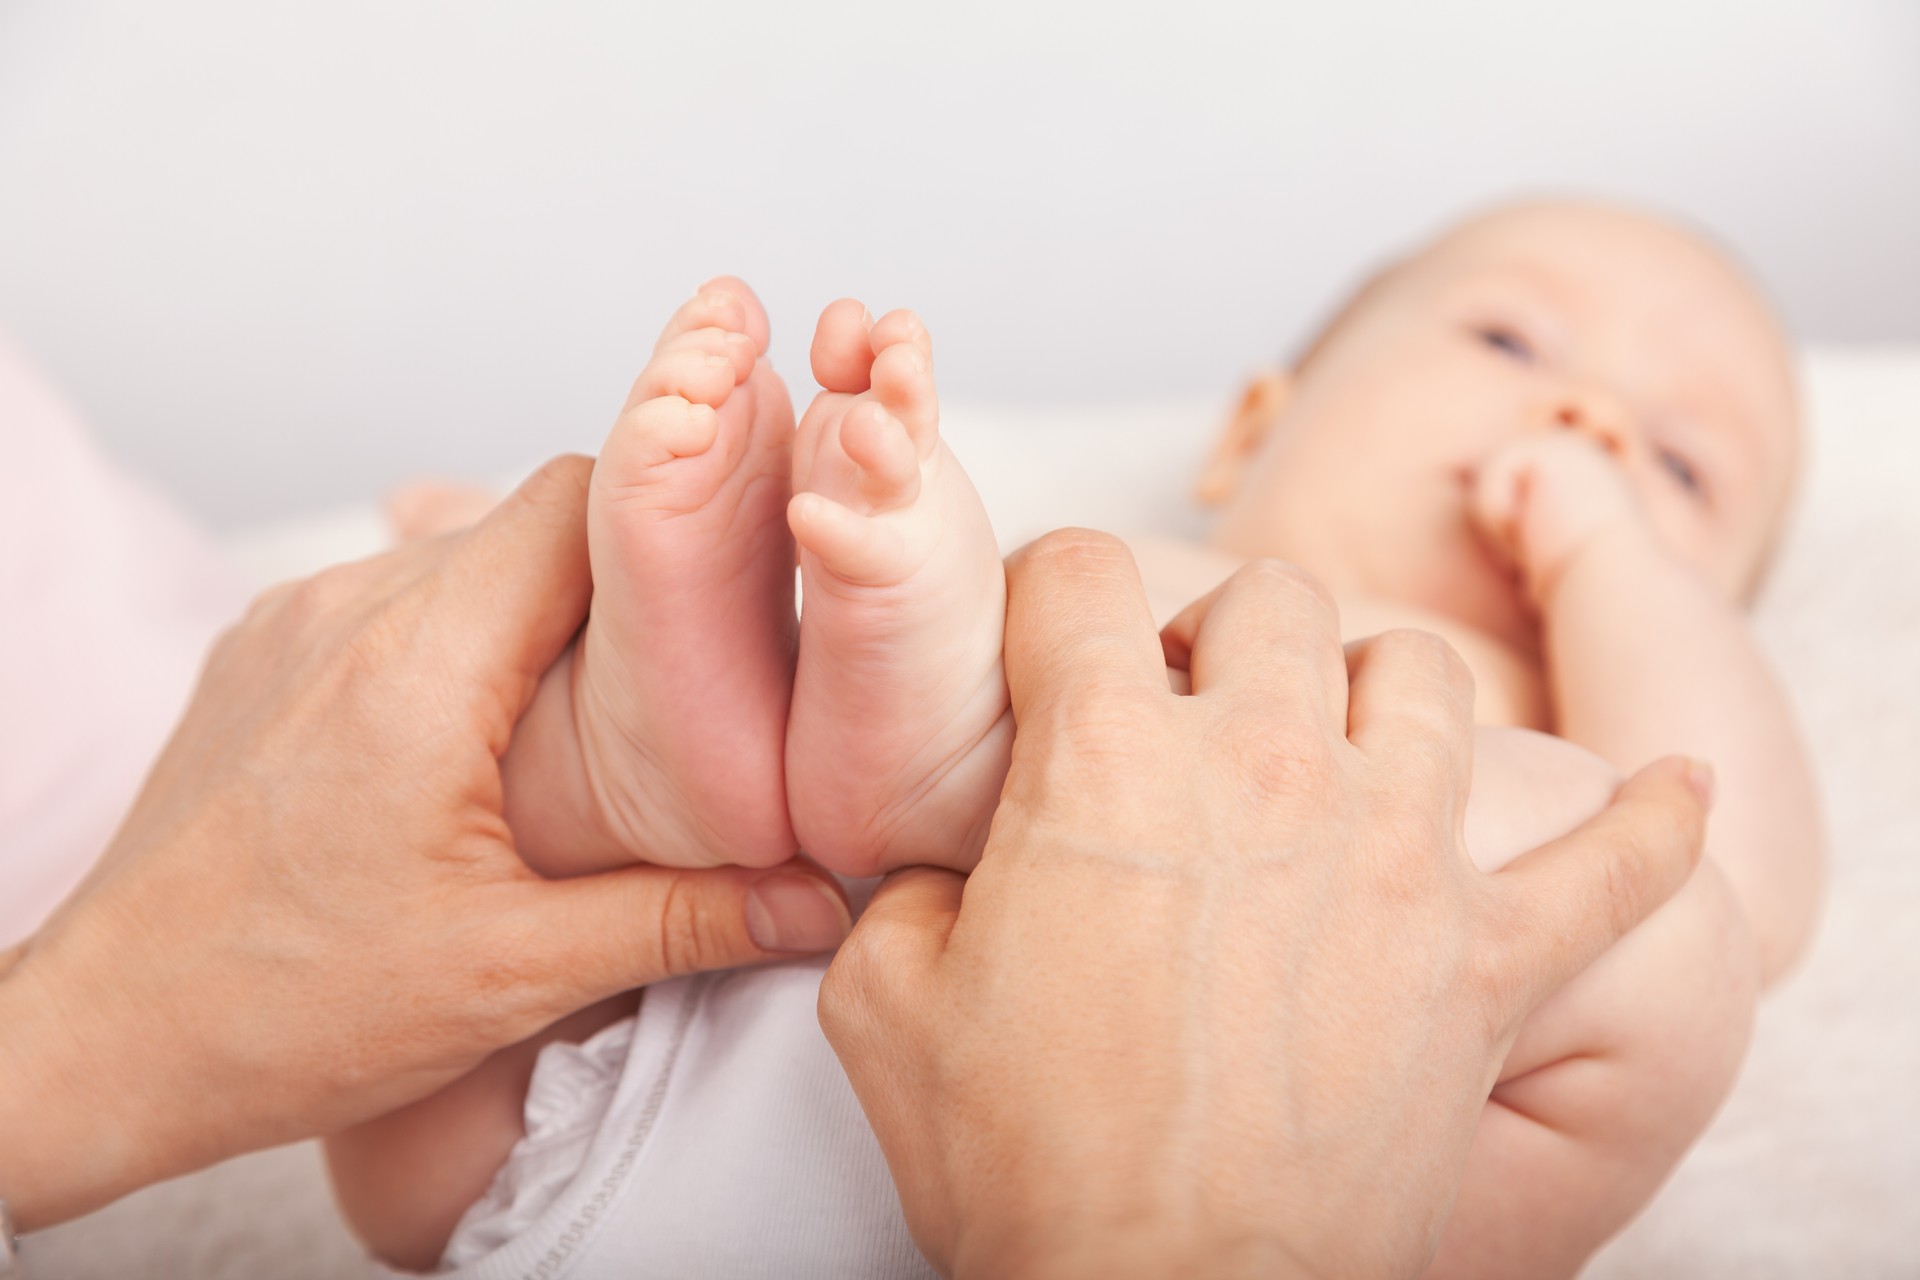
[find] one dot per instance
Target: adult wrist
(65, 1145)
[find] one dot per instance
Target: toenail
(735, 339)
(719, 362)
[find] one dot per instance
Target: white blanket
(1813, 1169)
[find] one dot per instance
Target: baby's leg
(899, 736)
(403, 1181)
(1615, 1077)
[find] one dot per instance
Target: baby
(1561, 436)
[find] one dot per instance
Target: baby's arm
(1644, 658)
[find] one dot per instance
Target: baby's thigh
(1612, 1079)
(1529, 788)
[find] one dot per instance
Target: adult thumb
(622, 929)
(1576, 896)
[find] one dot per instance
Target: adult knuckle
(1283, 581)
(321, 601)
(856, 982)
(1074, 551)
(268, 603)
(561, 480)
(1425, 650)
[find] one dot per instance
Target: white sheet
(1813, 1169)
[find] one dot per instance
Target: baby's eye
(1505, 340)
(1684, 473)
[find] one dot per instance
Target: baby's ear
(1261, 405)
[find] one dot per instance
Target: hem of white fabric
(557, 1236)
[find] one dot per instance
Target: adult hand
(1225, 994)
(314, 913)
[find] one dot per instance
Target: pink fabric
(108, 600)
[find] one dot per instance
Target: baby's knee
(1655, 1030)
(1530, 788)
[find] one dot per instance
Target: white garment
(713, 1135)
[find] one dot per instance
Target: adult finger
(1566, 902)
(1270, 632)
(597, 935)
(1410, 706)
(510, 593)
(897, 940)
(1079, 629)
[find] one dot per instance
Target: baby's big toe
(722, 303)
(842, 352)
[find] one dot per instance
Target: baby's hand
(1543, 499)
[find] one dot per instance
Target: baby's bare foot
(899, 735)
(677, 691)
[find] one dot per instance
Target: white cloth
(712, 1135)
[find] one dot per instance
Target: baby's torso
(1508, 688)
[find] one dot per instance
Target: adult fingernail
(796, 913)
(1700, 778)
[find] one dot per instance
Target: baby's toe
(722, 303)
(899, 326)
(842, 352)
(856, 548)
(651, 433)
(702, 365)
(878, 444)
(903, 382)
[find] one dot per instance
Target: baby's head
(1358, 461)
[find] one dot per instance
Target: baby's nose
(1598, 415)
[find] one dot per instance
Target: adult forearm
(1645, 660)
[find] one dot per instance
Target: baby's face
(1534, 318)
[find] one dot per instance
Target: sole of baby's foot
(899, 734)
(679, 685)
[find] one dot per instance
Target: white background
(286, 255)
